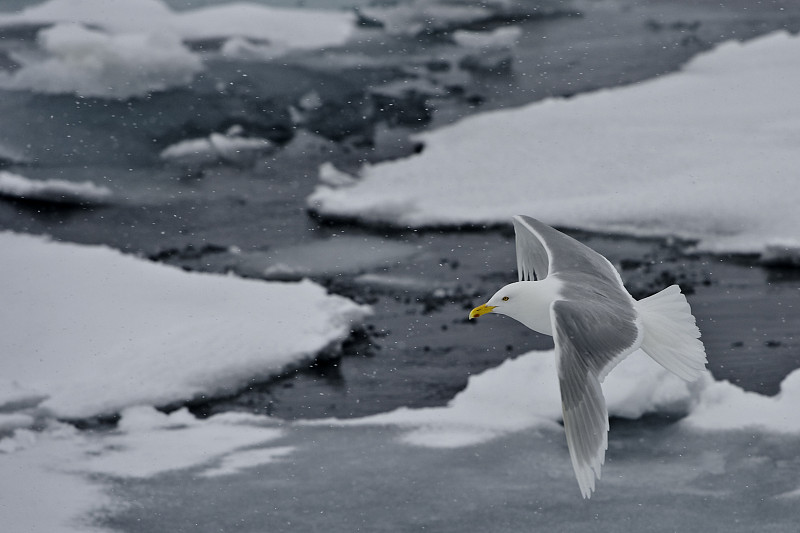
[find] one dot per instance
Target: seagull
(569, 291)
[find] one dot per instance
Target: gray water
(418, 349)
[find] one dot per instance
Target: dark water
(418, 349)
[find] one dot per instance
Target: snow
(94, 331)
(333, 177)
(31, 472)
(119, 49)
(333, 256)
(52, 190)
(230, 147)
(90, 62)
(293, 28)
(235, 462)
(724, 406)
(155, 443)
(707, 153)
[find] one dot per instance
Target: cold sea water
(244, 212)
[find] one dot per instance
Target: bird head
(504, 302)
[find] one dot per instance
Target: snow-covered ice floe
(120, 49)
(231, 147)
(52, 190)
(90, 62)
(93, 331)
(707, 153)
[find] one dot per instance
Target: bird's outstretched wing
(590, 339)
(542, 250)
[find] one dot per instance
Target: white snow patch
(291, 28)
(155, 443)
(97, 331)
(336, 255)
(235, 462)
(708, 153)
(333, 177)
(90, 62)
(411, 18)
(52, 190)
(32, 472)
(231, 147)
(723, 406)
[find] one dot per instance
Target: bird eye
(505, 298)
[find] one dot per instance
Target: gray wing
(542, 250)
(533, 258)
(590, 339)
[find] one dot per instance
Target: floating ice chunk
(723, 406)
(290, 28)
(503, 37)
(248, 50)
(31, 472)
(412, 18)
(52, 190)
(337, 255)
(97, 331)
(235, 462)
(707, 153)
(93, 63)
(231, 147)
(153, 443)
(333, 177)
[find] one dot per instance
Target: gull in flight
(569, 291)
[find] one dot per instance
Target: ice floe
(52, 190)
(90, 62)
(293, 28)
(231, 147)
(118, 49)
(707, 153)
(94, 331)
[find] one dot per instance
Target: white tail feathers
(671, 336)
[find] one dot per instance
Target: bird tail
(671, 336)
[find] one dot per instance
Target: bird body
(573, 293)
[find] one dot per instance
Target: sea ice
(231, 147)
(292, 28)
(91, 62)
(52, 190)
(707, 153)
(96, 331)
(724, 406)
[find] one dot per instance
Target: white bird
(573, 293)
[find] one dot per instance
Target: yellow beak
(481, 310)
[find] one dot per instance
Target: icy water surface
(656, 478)
(358, 103)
